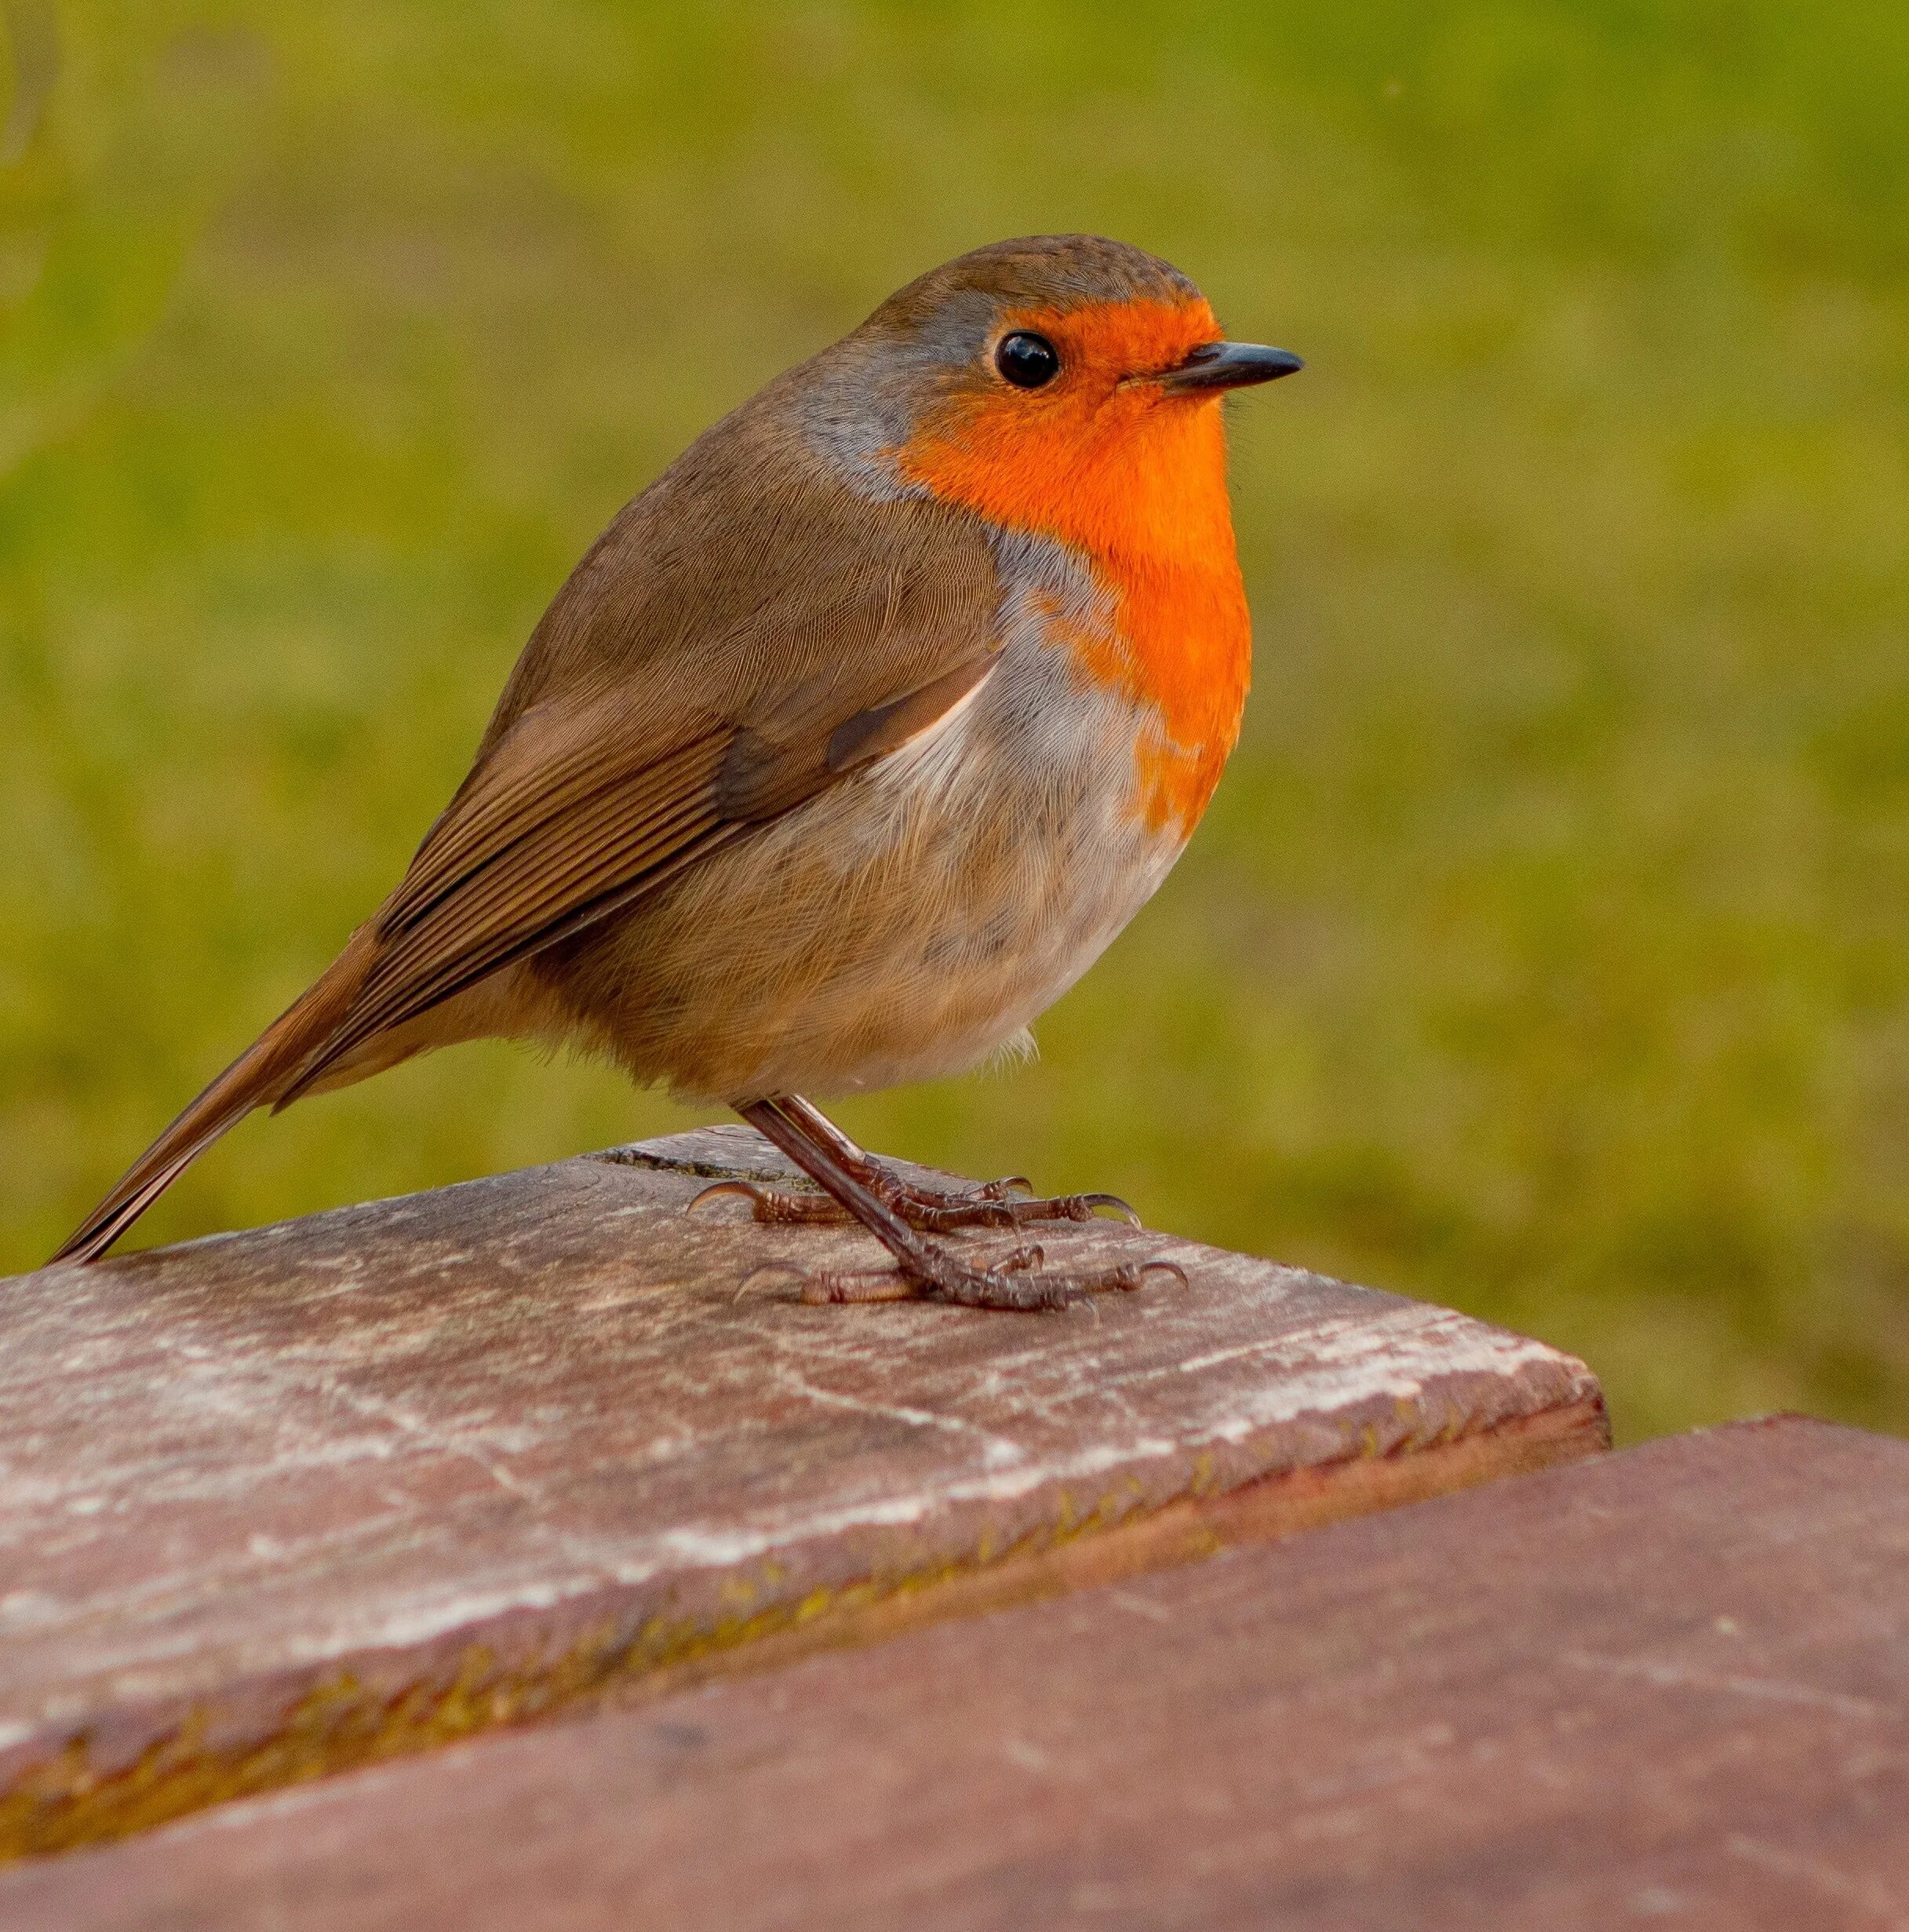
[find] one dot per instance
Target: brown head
(1067, 385)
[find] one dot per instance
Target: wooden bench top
(1669, 1687)
(281, 1502)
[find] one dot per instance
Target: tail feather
(260, 1076)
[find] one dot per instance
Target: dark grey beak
(1230, 366)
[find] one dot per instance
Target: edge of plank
(344, 1723)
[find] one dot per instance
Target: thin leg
(928, 1210)
(922, 1267)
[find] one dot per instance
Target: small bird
(847, 748)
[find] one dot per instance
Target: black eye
(1027, 361)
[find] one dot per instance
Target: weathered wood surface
(1667, 1688)
(281, 1501)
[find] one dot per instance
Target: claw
(748, 1188)
(1028, 1260)
(775, 1207)
(1113, 1203)
(766, 1268)
(1165, 1267)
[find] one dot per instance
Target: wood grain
(278, 1502)
(1669, 1688)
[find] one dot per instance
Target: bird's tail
(260, 1076)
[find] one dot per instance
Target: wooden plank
(1670, 1687)
(278, 1502)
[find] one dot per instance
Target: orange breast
(1134, 482)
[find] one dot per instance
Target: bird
(846, 749)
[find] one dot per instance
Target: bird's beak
(1228, 365)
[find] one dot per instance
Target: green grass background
(1545, 952)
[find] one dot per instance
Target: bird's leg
(929, 1210)
(942, 1210)
(922, 1268)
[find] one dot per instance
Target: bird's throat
(1139, 497)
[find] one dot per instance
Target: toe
(774, 1207)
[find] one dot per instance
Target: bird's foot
(1015, 1281)
(929, 1210)
(898, 1212)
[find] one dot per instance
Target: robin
(847, 748)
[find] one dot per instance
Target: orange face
(1131, 473)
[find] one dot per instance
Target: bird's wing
(702, 671)
(576, 808)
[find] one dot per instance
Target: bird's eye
(1026, 360)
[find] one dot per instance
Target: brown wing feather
(746, 633)
(521, 890)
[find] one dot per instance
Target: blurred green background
(1545, 953)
